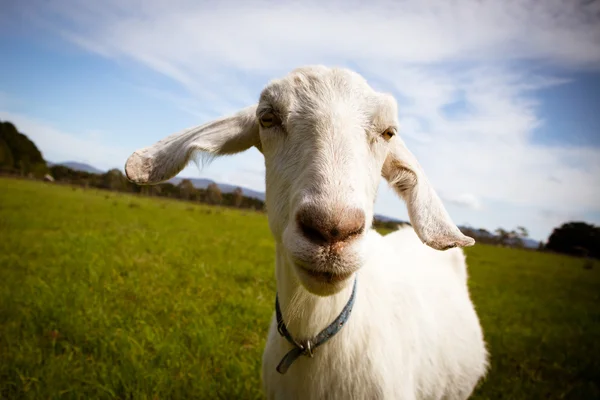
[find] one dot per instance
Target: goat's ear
(427, 214)
(166, 158)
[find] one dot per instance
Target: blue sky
(498, 100)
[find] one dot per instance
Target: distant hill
(383, 218)
(202, 183)
(530, 243)
(77, 166)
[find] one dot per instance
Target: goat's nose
(321, 227)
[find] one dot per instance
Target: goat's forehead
(311, 86)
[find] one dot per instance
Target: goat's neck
(305, 314)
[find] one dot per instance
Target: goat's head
(327, 138)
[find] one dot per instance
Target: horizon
(252, 193)
(504, 122)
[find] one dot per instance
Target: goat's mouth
(326, 276)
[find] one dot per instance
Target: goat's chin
(320, 270)
(322, 283)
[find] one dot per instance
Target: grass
(106, 295)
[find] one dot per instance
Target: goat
(406, 327)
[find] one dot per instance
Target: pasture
(106, 295)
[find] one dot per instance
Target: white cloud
(488, 152)
(467, 200)
(185, 103)
(183, 37)
(431, 54)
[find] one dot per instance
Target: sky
(498, 100)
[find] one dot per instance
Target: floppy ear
(166, 158)
(427, 214)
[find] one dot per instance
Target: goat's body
(413, 332)
(328, 138)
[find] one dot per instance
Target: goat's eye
(388, 134)
(269, 119)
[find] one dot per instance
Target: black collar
(306, 348)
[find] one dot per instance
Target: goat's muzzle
(330, 229)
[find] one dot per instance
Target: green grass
(106, 295)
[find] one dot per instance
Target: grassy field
(105, 295)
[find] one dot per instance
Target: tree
(214, 194)
(151, 190)
(6, 157)
(483, 232)
(522, 232)
(114, 180)
(18, 153)
(168, 190)
(186, 189)
(238, 197)
(502, 235)
(517, 236)
(576, 238)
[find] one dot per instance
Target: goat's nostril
(312, 234)
(322, 228)
(358, 231)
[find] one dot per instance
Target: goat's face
(325, 135)
(327, 138)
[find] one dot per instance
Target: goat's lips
(326, 276)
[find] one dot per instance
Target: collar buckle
(307, 347)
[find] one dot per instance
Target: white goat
(327, 138)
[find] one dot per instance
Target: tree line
(501, 236)
(115, 180)
(20, 156)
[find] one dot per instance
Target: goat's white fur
(413, 332)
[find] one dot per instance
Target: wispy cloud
(467, 200)
(467, 74)
(185, 38)
(185, 103)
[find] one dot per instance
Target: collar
(307, 347)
